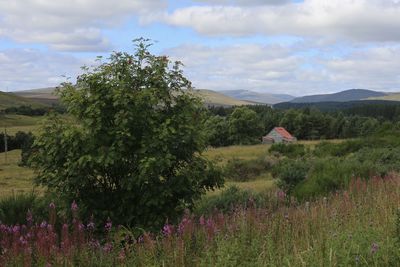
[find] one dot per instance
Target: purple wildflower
(202, 221)
(107, 247)
(108, 225)
(16, 229)
(90, 225)
(74, 206)
(52, 206)
(29, 217)
(374, 248)
(167, 229)
(43, 224)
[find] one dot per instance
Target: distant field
(390, 97)
(13, 178)
(223, 154)
(15, 123)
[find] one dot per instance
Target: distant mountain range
(46, 96)
(256, 97)
(344, 96)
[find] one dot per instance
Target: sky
(271, 46)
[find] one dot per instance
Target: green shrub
(245, 170)
(228, 200)
(289, 150)
(13, 209)
(324, 149)
(290, 173)
(330, 174)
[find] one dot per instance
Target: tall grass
(356, 227)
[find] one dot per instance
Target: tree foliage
(133, 152)
(245, 128)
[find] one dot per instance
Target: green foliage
(245, 128)
(228, 200)
(217, 131)
(245, 170)
(14, 209)
(133, 152)
(288, 150)
(290, 173)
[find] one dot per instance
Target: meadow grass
(356, 227)
(13, 178)
(15, 123)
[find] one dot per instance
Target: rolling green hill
(45, 96)
(212, 98)
(8, 100)
(343, 96)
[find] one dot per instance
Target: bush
(228, 200)
(289, 150)
(290, 173)
(13, 209)
(244, 170)
(331, 174)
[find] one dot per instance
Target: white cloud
(355, 20)
(68, 25)
(289, 69)
(29, 68)
(244, 2)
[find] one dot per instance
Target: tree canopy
(133, 149)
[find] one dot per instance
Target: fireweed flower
(107, 247)
(29, 217)
(202, 221)
(167, 230)
(108, 225)
(90, 225)
(74, 206)
(374, 248)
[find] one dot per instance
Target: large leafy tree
(245, 127)
(132, 150)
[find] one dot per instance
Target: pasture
(13, 178)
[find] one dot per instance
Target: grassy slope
(10, 100)
(390, 97)
(218, 99)
(15, 123)
(13, 178)
(45, 96)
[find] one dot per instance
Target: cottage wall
(275, 136)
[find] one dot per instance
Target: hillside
(43, 95)
(344, 96)
(213, 98)
(335, 106)
(389, 97)
(257, 97)
(8, 100)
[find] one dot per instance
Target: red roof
(282, 131)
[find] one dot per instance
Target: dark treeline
(246, 125)
(32, 111)
(20, 140)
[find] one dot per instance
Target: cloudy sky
(274, 46)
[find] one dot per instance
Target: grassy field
(15, 123)
(16, 179)
(13, 178)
